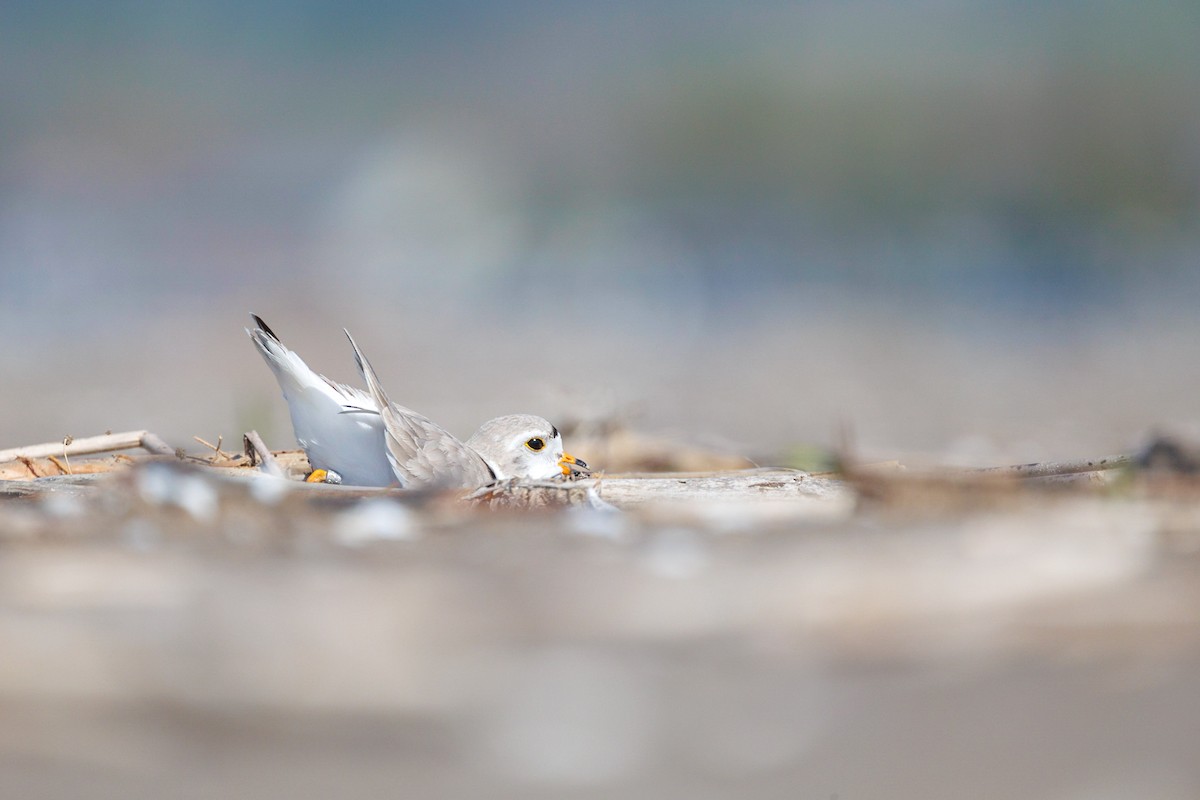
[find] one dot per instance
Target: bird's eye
(536, 443)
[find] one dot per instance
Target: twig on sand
(260, 455)
(219, 455)
(1050, 469)
(90, 445)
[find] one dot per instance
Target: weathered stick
(75, 485)
(92, 444)
(155, 445)
(1051, 468)
(259, 453)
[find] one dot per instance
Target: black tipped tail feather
(264, 327)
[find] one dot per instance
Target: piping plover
(363, 439)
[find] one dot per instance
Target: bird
(363, 439)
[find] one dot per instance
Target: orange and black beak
(572, 465)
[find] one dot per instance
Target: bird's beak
(570, 464)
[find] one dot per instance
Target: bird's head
(524, 446)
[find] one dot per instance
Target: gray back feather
(422, 453)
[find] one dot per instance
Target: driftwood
(73, 485)
(260, 455)
(1052, 469)
(90, 445)
(757, 485)
(539, 494)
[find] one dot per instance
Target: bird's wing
(422, 453)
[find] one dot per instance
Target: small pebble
(375, 520)
(269, 490)
(165, 485)
(63, 505)
(601, 523)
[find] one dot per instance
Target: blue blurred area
(998, 152)
(672, 169)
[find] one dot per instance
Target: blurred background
(962, 232)
(968, 232)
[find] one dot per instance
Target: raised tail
(264, 327)
(267, 342)
(290, 370)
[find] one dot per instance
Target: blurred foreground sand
(194, 640)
